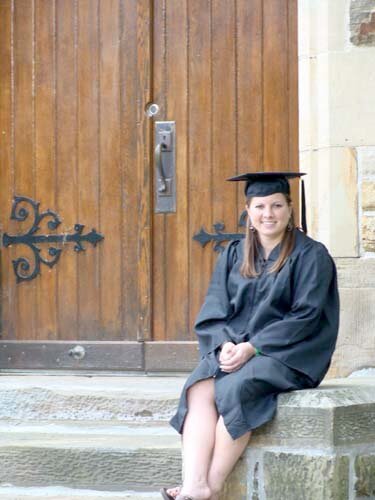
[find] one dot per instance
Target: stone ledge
(321, 445)
(339, 412)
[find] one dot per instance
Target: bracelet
(257, 351)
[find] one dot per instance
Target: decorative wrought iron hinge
(203, 237)
(21, 265)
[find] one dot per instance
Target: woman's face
(269, 215)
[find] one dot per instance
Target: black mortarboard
(267, 183)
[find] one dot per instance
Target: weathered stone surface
(368, 195)
(108, 459)
(331, 188)
(96, 399)
(362, 22)
(62, 493)
(368, 233)
(365, 473)
(324, 417)
(366, 161)
(237, 484)
(356, 273)
(355, 347)
(296, 476)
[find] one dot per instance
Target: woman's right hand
(227, 351)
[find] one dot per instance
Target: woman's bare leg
(198, 438)
(226, 453)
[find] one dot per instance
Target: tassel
(303, 209)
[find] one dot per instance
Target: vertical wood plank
(45, 157)
(160, 273)
(224, 112)
(144, 168)
(249, 89)
(129, 177)
(24, 152)
(177, 238)
(275, 84)
(200, 148)
(110, 170)
(67, 178)
(7, 306)
(88, 165)
(293, 151)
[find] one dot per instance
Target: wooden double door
(77, 153)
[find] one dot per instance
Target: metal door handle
(164, 159)
(159, 166)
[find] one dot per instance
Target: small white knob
(152, 109)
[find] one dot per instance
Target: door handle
(159, 167)
(164, 159)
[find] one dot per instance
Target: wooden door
(226, 73)
(75, 79)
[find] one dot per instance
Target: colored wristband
(257, 351)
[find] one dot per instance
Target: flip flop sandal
(166, 495)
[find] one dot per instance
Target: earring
(289, 226)
(251, 227)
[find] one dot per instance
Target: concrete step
(105, 399)
(114, 458)
(61, 493)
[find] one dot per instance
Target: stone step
(105, 399)
(61, 493)
(114, 458)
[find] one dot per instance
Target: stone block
(365, 473)
(237, 484)
(295, 476)
(322, 26)
(331, 415)
(368, 195)
(352, 98)
(366, 161)
(81, 398)
(331, 193)
(362, 22)
(368, 233)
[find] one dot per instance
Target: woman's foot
(196, 493)
(173, 492)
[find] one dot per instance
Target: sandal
(166, 495)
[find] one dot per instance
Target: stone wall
(337, 150)
(320, 446)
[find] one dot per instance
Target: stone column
(337, 150)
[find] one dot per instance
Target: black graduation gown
(291, 317)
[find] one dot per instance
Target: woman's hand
(232, 356)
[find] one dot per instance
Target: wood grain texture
(8, 292)
(176, 229)
(226, 72)
(67, 163)
(76, 76)
(144, 169)
(110, 172)
(129, 177)
(24, 145)
(45, 154)
(88, 161)
(75, 82)
(200, 150)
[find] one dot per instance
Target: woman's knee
(202, 390)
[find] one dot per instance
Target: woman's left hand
(242, 353)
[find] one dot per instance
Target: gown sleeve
(211, 323)
(314, 303)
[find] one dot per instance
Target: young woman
(268, 324)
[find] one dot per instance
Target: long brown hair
(253, 247)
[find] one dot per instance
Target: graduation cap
(267, 183)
